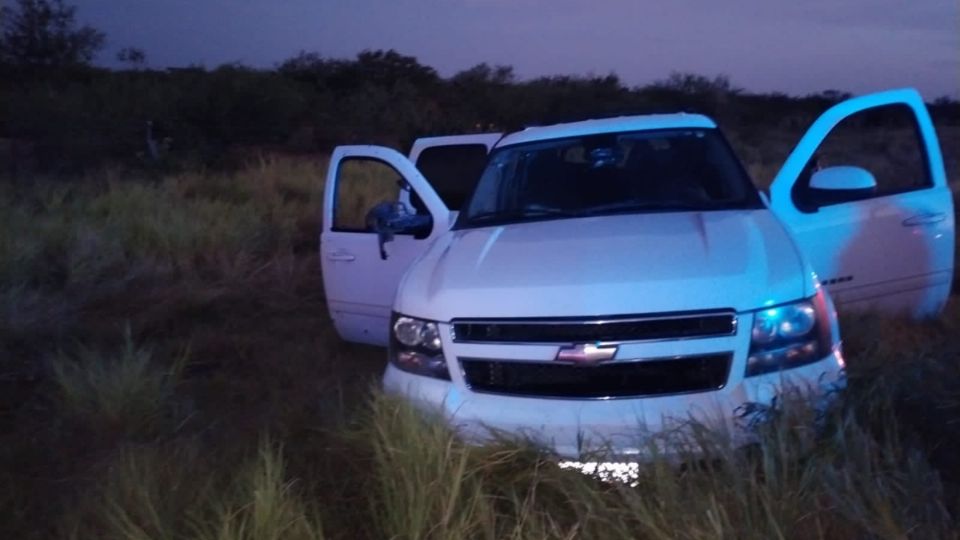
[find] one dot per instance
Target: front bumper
(617, 428)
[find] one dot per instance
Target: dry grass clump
(175, 492)
(123, 393)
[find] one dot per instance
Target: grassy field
(168, 370)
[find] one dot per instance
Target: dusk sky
(797, 46)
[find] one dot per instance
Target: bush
(124, 394)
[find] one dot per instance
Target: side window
(884, 141)
(453, 171)
(362, 183)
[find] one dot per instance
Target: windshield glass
(649, 171)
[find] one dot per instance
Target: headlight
(784, 322)
(789, 336)
(415, 347)
(412, 332)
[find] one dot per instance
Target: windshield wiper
(632, 206)
(621, 207)
(517, 214)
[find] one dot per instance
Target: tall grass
(168, 370)
(421, 481)
(846, 484)
(81, 232)
(151, 493)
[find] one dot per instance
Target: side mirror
(840, 184)
(843, 178)
(418, 225)
(388, 219)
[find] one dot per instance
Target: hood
(608, 265)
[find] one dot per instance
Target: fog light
(787, 357)
(419, 362)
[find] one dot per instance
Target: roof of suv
(608, 125)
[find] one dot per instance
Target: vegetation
(168, 370)
(58, 114)
(44, 34)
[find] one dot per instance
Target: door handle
(924, 219)
(340, 256)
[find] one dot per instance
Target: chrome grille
(615, 379)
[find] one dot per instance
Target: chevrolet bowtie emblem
(586, 353)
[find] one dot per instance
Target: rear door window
(453, 171)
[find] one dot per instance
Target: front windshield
(648, 171)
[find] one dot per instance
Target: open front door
(865, 196)
(360, 278)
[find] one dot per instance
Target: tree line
(74, 116)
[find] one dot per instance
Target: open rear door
(452, 165)
(360, 280)
(865, 196)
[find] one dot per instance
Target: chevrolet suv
(590, 283)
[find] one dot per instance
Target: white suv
(607, 277)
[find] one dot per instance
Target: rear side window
(453, 171)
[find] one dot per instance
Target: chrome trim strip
(734, 327)
(595, 320)
(598, 343)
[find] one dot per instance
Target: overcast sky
(794, 46)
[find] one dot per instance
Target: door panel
(360, 285)
(888, 248)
